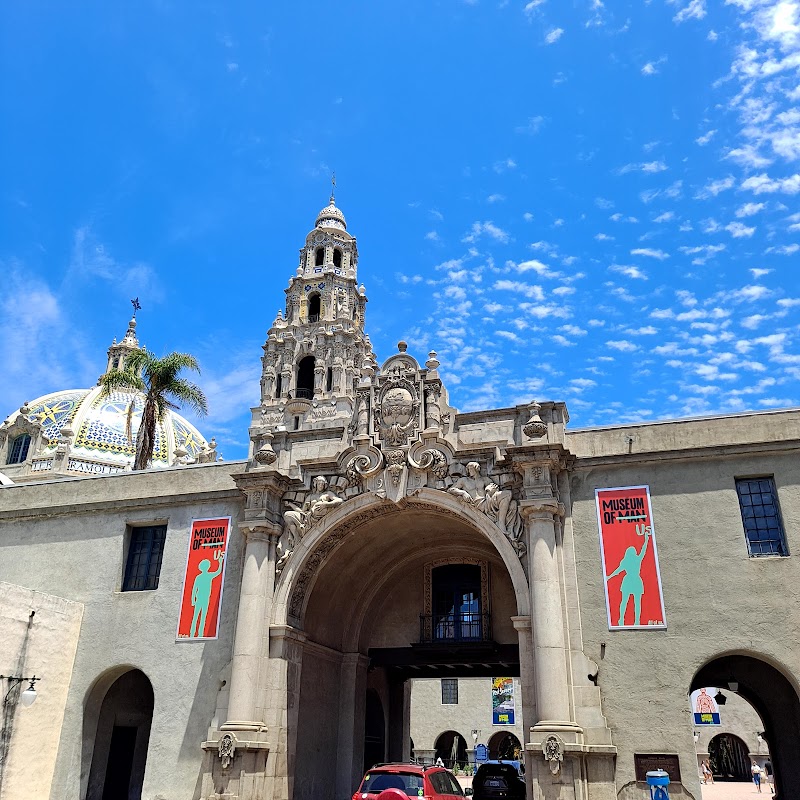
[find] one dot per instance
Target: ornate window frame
(428, 585)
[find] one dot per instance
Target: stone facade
(361, 483)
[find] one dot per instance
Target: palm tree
(158, 379)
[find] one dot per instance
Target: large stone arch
(296, 582)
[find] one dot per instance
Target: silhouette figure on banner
(632, 583)
(201, 593)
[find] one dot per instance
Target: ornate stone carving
(553, 751)
(227, 750)
(433, 413)
(432, 460)
(209, 452)
(319, 501)
(395, 464)
(498, 504)
(534, 428)
(265, 455)
(364, 464)
(396, 411)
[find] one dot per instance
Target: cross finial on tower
(136, 306)
(333, 187)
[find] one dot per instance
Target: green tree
(159, 379)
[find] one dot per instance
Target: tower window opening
(329, 382)
(319, 257)
(305, 378)
(314, 303)
(337, 257)
(278, 385)
(296, 423)
(18, 451)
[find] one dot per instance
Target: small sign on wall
(631, 574)
(502, 701)
(649, 762)
(201, 598)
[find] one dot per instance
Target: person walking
(770, 775)
(756, 772)
(708, 776)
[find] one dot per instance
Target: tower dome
(331, 217)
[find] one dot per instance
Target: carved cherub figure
(483, 493)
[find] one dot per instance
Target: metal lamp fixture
(27, 697)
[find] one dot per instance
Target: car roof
(401, 766)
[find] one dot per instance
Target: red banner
(201, 598)
(630, 560)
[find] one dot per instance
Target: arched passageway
(451, 747)
(774, 699)
(371, 623)
(504, 744)
(118, 716)
(728, 757)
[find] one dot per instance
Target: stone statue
(362, 424)
(476, 490)
(318, 503)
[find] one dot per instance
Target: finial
(402, 346)
(136, 306)
(333, 188)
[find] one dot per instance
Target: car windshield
(408, 782)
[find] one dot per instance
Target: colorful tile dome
(101, 430)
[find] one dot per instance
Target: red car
(426, 783)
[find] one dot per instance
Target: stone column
(255, 598)
(352, 703)
(527, 679)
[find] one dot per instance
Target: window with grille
(449, 691)
(761, 517)
(144, 558)
(18, 451)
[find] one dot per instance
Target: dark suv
(425, 783)
(496, 780)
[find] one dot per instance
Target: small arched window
(319, 257)
(305, 378)
(337, 257)
(18, 449)
(314, 303)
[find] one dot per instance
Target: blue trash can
(658, 780)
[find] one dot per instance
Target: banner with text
(629, 558)
(201, 598)
(502, 701)
(705, 710)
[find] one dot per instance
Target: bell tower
(316, 349)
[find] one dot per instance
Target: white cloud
(531, 6)
(695, 10)
(432, 236)
(495, 198)
(760, 184)
(532, 126)
(749, 209)
(622, 345)
(739, 231)
(751, 293)
(554, 35)
(631, 272)
(603, 237)
(665, 217)
(649, 167)
(713, 188)
(650, 253)
(784, 249)
(489, 229)
(705, 138)
(512, 337)
(533, 265)
(525, 289)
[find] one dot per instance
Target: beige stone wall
(718, 600)
(430, 717)
(44, 645)
(68, 538)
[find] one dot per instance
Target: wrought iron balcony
(464, 627)
(313, 317)
(304, 394)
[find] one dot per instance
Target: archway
(451, 747)
(117, 719)
(728, 757)
(305, 377)
(504, 745)
(360, 591)
(374, 731)
(775, 700)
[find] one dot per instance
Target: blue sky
(567, 199)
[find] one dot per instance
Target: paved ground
(734, 791)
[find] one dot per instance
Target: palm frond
(121, 380)
(190, 395)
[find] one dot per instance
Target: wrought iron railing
(304, 394)
(313, 317)
(465, 626)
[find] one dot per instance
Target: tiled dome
(331, 217)
(100, 426)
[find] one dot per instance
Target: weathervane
(136, 306)
(333, 187)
